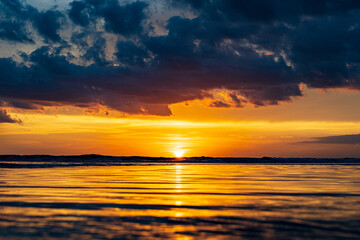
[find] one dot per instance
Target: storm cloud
(139, 57)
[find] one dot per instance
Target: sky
(227, 78)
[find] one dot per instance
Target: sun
(178, 153)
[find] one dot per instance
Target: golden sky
(193, 130)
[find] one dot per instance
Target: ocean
(178, 200)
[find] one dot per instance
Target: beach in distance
(103, 197)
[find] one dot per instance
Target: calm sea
(181, 201)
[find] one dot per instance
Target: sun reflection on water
(178, 178)
(178, 188)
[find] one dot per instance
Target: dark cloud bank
(341, 139)
(120, 55)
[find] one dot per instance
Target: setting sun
(179, 153)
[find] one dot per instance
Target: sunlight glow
(179, 153)
(42, 133)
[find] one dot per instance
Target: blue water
(181, 201)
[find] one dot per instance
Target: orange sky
(193, 130)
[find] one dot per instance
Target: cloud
(79, 13)
(6, 118)
(138, 58)
(14, 31)
(121, 19)
(341, 139)
(48, 24)
(220, 104)
(12, 22)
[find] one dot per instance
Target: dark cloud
(12, 22)
(236, 100)
(121, 57)
(268, 11)
(130, 54)
(96, 52)
(341, 139)
(11, 8)
(18, 104)
(220, 104)
(48, 24)
(79, 13)
(121, 19)
(6, 118)
(14, 31)
(14, 16)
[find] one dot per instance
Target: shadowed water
(181, 201)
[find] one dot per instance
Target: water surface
(181, 201)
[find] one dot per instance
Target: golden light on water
(178, 178)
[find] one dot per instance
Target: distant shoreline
(45, 161)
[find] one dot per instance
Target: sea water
(181, 201)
